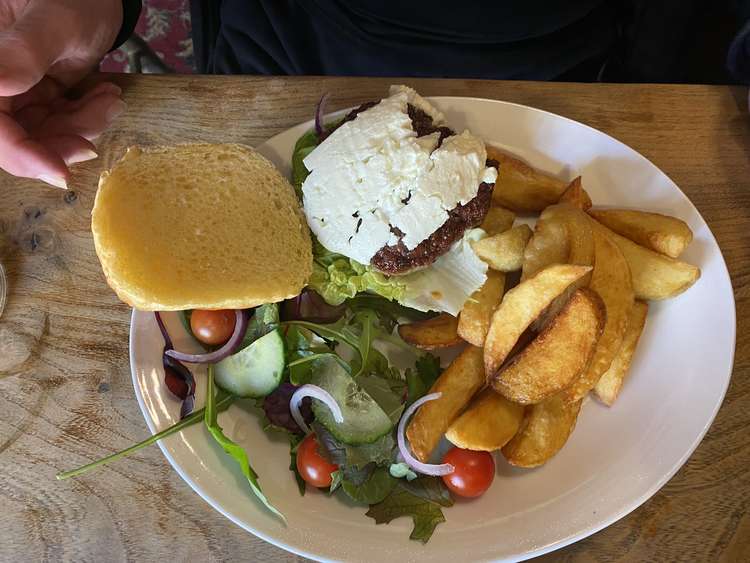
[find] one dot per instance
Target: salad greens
(420, 499)
(230, 447)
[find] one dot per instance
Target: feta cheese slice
(372, 175)
(450, 281)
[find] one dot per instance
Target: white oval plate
(616, 458)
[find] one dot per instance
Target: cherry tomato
(473, 474)
(212, 327)
(311, 465)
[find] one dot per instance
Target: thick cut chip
(562, 235)
(576, 196)
(611, 280)
(521, 188)
(545, 429)
(661, 233)
(521, 306)
(504, 252)
(438, 332)
(611, 382)
(558, 355)
(474, 320)
(655, 276)
(488, 424)
(458, 384)
(497, 220)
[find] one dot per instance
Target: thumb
(30, 47)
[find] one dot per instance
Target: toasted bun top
(200, 226)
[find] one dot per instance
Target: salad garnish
(403, 448)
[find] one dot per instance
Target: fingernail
(81, 156)
(115, 110)
(111, 88)
(57, 181)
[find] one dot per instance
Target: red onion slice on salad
(315, 392)
(405, 451)
(319, 110)
(240, 327)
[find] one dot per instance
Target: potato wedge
(521, 305)
(661, 233)
(611, 280)
(655, 276)
(458, 384)
(545, 428)
(548, 245)
(521, 188)
(610, 383)
(438, 332)
(576, 196)
(497, 220)
(474, 319)
(562, 236)
(556, 357)
(487, 424)
(504, 252)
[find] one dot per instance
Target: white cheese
(419, 102)
(450, 281)
(373, 173)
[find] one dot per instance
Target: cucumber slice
(254, 371)
(364, 420)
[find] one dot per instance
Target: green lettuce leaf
(229, 446)
(265, 319)
(294, 442)
(425, 514)
(304, 146)
(381, 452)
(337, 278)
(377, 487)
(418, 381)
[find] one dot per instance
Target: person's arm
(47, 46)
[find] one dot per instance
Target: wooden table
(65, 391)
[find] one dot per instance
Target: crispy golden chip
(562, 235)
(474, 320)
(487, 425)
(611, 280)
(545, 428)
(521, 305)
(558, 355)
(655, 276)
(497, 220)
(504, 252)
(458, 384)
(438, 332)
(576, 196)
(661, 233)
(611, 382)
(521, 188)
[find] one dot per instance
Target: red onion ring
(319, 130)
(404, 450)
(163, 329)
(321, 395)
(240, 327)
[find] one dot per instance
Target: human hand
(47, 46)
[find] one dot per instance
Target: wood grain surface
(65, 390)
